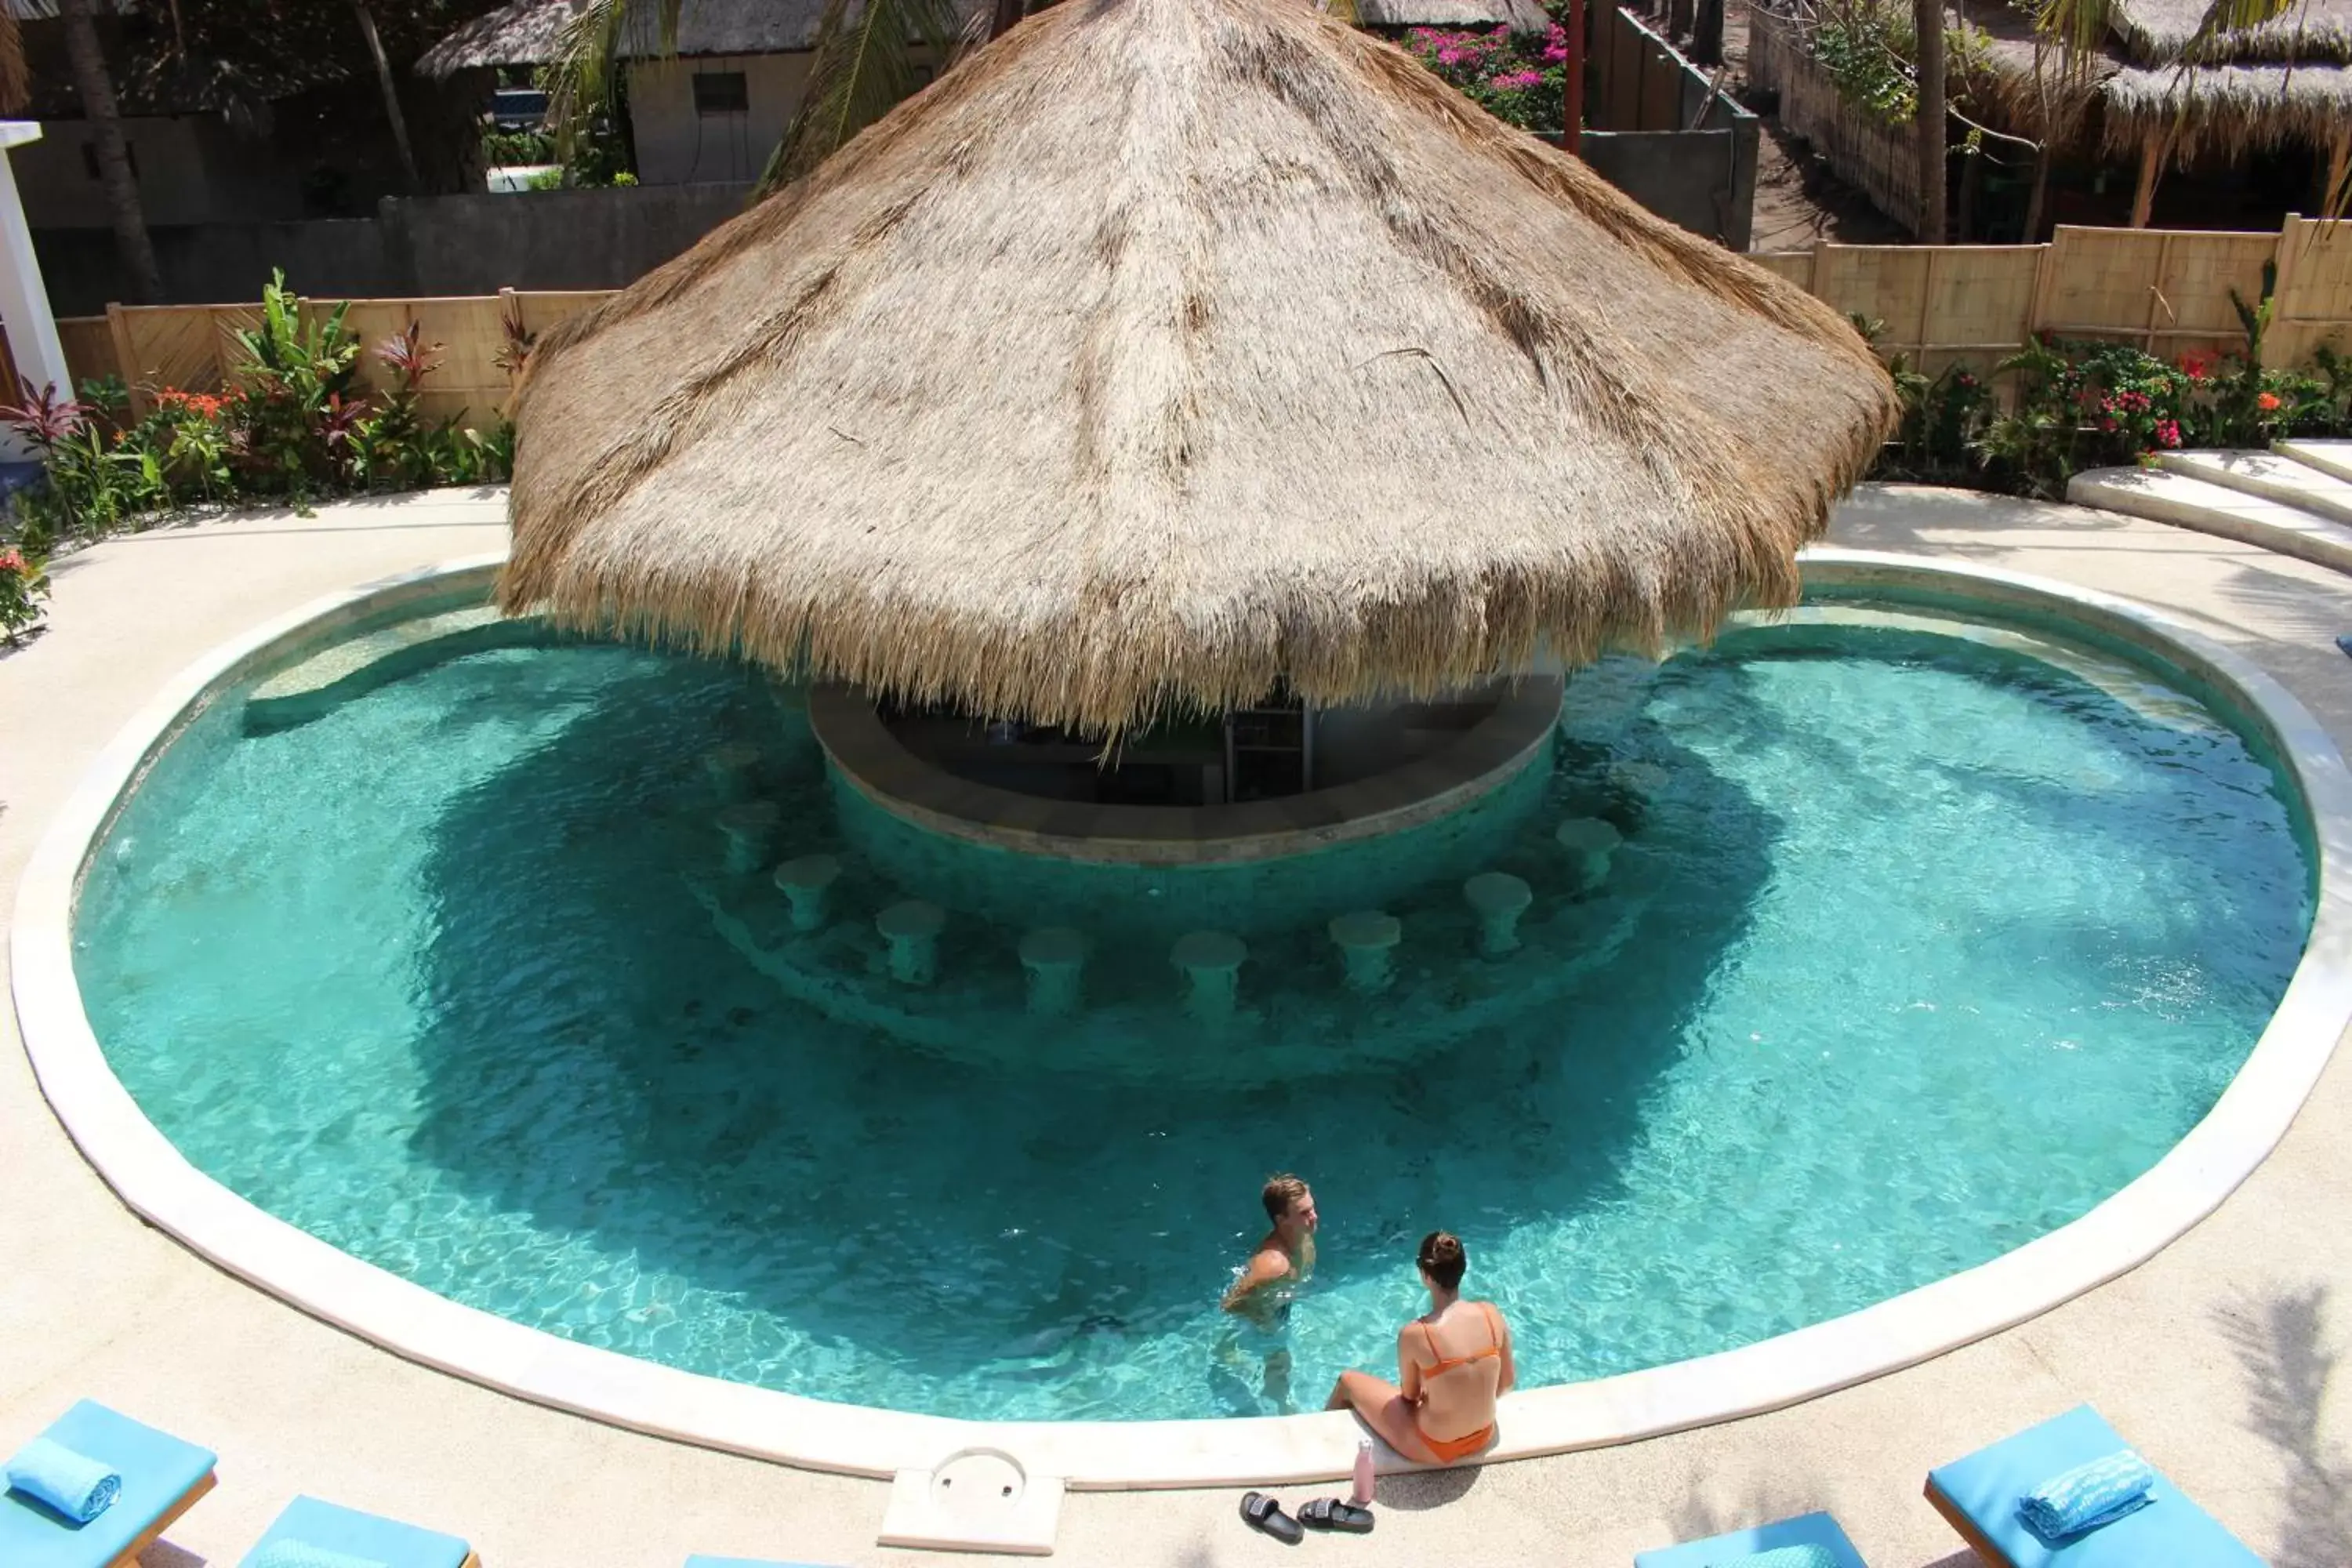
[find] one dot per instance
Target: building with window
(711, 111)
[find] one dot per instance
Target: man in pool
(1263, 1290)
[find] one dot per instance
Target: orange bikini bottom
(1449, 1450)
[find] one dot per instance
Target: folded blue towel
(2088, 1495)
(1784, 1557)
(288, 1552)
(75, 1484)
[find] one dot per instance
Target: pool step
(2217, 498)
(334, 675)
(2270, 476)
(2327, 457)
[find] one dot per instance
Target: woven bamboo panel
(172, 346)
(463, 334)
(2168, 290)
(2315, 291)
(541, 311)
(1795, 266)
(89, 344)
(1883, 283)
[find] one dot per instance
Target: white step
(2270, 476)
(2328, 456)
(342, 670)
(2163, 496)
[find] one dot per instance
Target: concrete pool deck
(2214, 1357)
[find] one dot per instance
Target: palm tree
(96, 89)
(865, 61)
(1927, 25)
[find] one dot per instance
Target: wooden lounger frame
(1968, 1532)
(128, 1558)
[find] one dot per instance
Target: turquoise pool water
(1916, 948)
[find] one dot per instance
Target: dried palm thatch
(1167, 349)
(2159, 31)
(2235, 107)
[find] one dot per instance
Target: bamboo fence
(1938, 306)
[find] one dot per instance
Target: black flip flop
(1330, 1513)
(1263, 1513)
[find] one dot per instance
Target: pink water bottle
(1363, 1492)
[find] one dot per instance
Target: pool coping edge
(149, 1174)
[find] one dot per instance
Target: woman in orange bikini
(1455, 1363)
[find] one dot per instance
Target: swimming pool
(1919, 946)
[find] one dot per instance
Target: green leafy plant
(294, 387)
(22, 584)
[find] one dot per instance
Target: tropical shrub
(22, 586)
(1522, 79)
(295, 422)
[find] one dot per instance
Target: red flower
(2268, 402)
(2195, 366)
(2168, 432)
(11, 561)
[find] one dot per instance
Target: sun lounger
(161, 1480)
(1978, 1495)
(1806, 1529)
(346, 1530)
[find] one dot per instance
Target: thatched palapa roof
(529, 32)
(1167, 349)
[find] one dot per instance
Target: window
(722, 93)
(90, 158)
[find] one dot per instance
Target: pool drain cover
(975, 1499)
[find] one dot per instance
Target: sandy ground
(2219, 1357)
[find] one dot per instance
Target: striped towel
(2088, 1495)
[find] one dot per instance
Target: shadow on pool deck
(656, 1096)
(2281, 1344)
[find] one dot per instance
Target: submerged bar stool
(805, 883)
(1365, 939)
(1498, 898)
(750, 829)
(1589, 841)
(912, 928)
(1212, 961)
(1054, 958)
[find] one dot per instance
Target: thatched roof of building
(528, 32)
(2157, 31)
(1519, 16)
(2285, 82)
(2233, 106)
(1167, 349)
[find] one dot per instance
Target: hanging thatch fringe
(2234, 107)
(1170, 348)
(2159, 31)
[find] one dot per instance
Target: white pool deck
(2217, 1357)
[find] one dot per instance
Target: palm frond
(862, 66)
(15, 77)
(580, 80)
(2223, 17)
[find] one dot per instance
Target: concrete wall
(413, 247)
(1658, 129)
(192, 169)
(1703, 179)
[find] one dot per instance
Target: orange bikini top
(1441, 1364)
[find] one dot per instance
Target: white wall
(676, 146)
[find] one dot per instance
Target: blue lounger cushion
(1985, 1488)
(288, 1552)
(78, 1486)
(365, 1536)
(158, 1472)
(1817, 1530)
